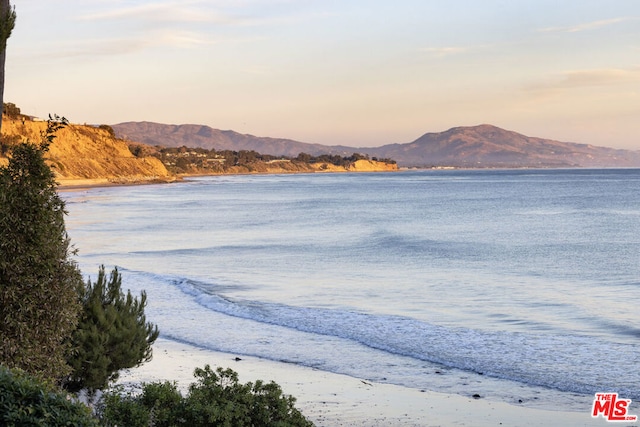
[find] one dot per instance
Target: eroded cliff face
(82, 152)
(265, 168)
(295, 167)
(372, 166)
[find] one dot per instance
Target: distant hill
(474, 146)
(89, 155)
(200, 136)
(490, 146)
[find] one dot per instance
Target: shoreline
(330, 399)
(87, 183)
(68, 184)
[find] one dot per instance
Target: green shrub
(25, 401)
(112, 334)
(164, 402)
(39, 280)
(216, 399)
(118, 408)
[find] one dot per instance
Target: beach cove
(335, 301)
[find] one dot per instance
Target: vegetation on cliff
(185, 160)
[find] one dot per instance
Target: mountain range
(481, 146)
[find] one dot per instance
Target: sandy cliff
(372, 166)
(86, 153)
(296, 167)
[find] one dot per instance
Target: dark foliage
(11, 110)
(184, 159)
(39, 281)
(109, 130)
(216, 399)
(25, 401)
(112, 334)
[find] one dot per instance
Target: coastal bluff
(90, 155)
(87, 154)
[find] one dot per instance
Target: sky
(361, 73)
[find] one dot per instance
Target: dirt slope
(83, 152)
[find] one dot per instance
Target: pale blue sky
(353, 72)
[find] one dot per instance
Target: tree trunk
(6, 24)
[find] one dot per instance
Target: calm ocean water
(520, 286)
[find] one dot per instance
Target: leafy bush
(39, 280)
(216, 399)
(118, 408)
(164, 402)
(25, 401)
(109, 130)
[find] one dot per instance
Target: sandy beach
(89, 183)
(330, 399)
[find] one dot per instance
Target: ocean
(516, 285)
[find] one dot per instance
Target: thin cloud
(131, 45)
(164, 12)
(182, 39)
(601, 77)
(258, 70)
(168, 24)
(588, 26)
(188, 12)
(441, 52)
(101, 47)
(588, 78)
